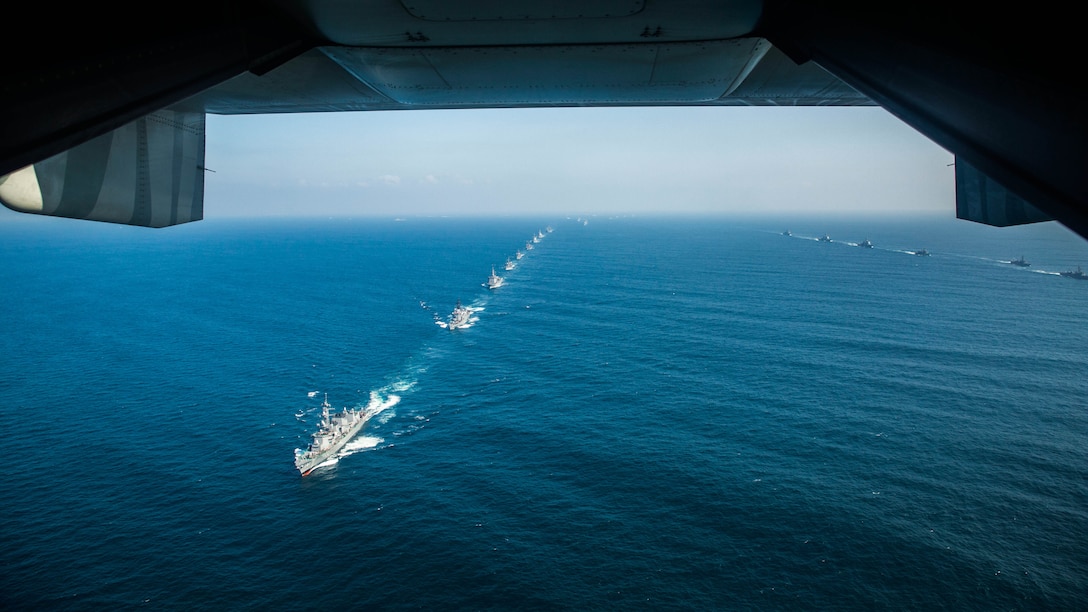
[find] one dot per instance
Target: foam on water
(360, 443)
(379, 403)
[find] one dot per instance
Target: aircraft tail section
(149, 172)
(980, 198)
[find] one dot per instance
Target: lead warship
(334, 431)
(459, 317)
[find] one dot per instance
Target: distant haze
(746, 160)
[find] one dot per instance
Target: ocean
(654, 413)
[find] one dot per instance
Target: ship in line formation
(333, 432)
(865, 244)
(1077, 274)
(461, 315)
(1021, 262)
(336, 430)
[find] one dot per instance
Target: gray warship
(459, 317)
(334, 431)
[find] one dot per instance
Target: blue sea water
(651, 413)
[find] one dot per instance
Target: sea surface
(651, 413)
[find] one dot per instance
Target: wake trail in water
(381, 403)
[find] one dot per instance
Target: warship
(334, 431)
(459, 317)
(494, 281)
(1077, 274)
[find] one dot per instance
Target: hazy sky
(815, 160)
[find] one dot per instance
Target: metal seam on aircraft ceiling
(441, 10)
(673, 72)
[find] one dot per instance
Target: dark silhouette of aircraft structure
(103, 107)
